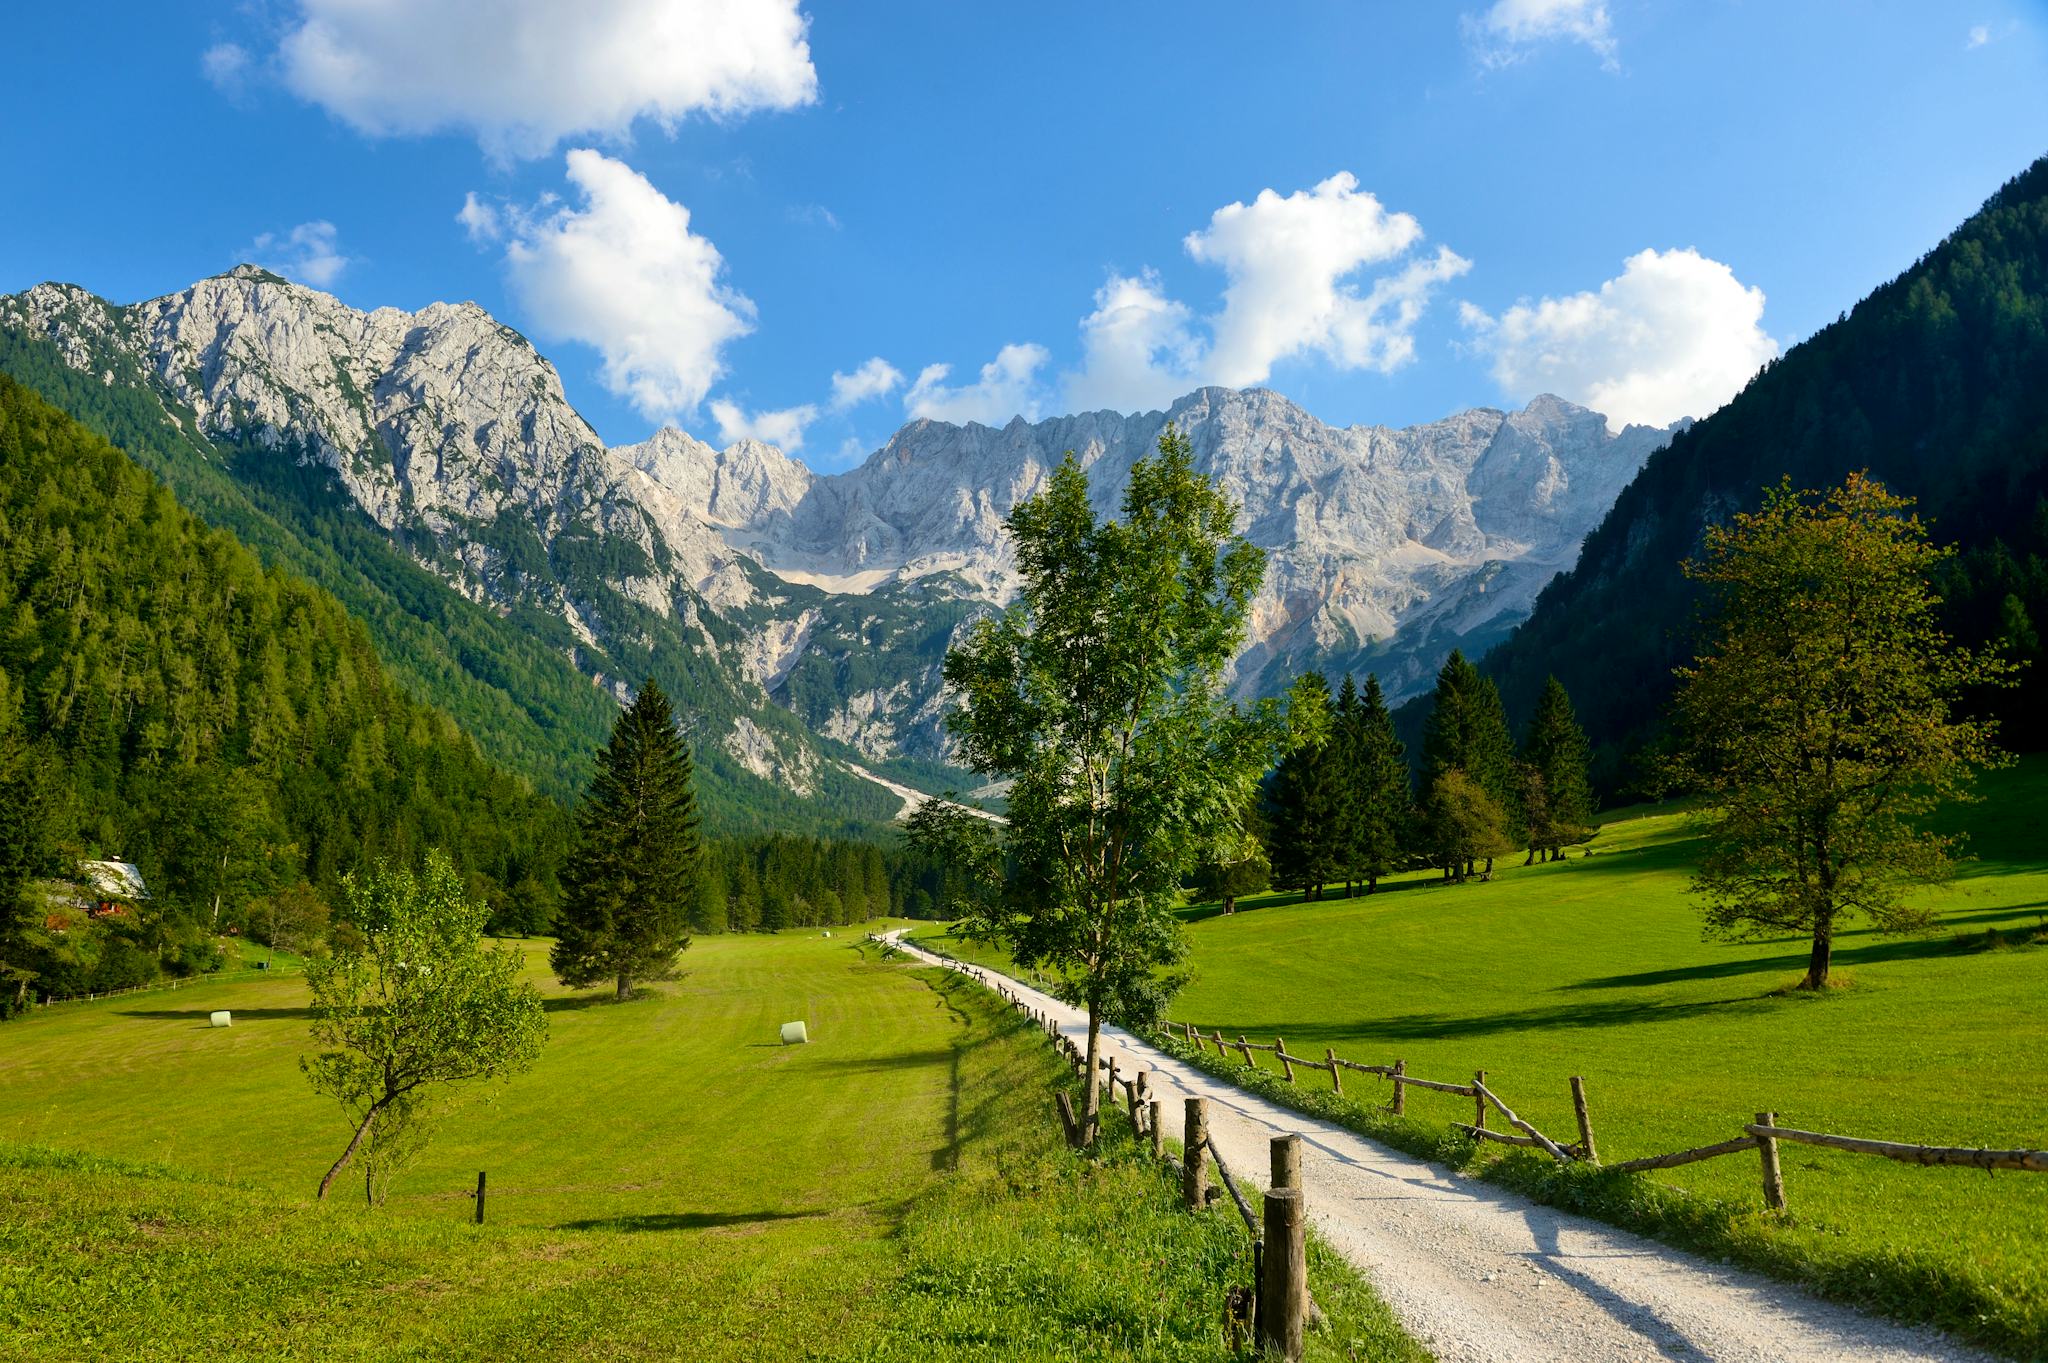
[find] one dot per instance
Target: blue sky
(704, 210)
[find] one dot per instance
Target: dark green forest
(1936, 384)
(167, 700)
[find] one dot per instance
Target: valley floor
(669, 1183)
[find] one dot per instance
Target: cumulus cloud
(1137, 348)
(309, 253)
(621, 271)
(522, 75)
(784, 428)
(1008, 387)
(1505, 32)
(874, 379)
(1674, 335)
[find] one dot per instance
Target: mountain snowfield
(830, 599)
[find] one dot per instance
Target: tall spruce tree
(631, 880)
(1558, 806)
(1305, 801)
(1377, 786)
(1467, 731)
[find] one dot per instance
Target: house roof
(114, 879)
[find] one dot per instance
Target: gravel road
(1478, 1273)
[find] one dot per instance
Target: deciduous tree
(415, 1007)
(1821, 717)
(1100, 695)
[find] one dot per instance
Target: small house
(116, 888)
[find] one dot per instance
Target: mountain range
(428, 469)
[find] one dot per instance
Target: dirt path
(1478, 1273)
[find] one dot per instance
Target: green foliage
(1819, 724)
(417, 1007)
(1557, 787)
(631, 881)
(1467, 731)
(1374, 775)
(224, 726)
(1932, 385)
(1100, 694)
(1308, 812)
(1462, 825)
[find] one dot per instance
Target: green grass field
(1597, 967)
(669, 1182)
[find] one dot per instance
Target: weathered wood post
(1283, 1278)
(1774, 1178)
(1479, 1099)
(1069, 1123)
(1157, 1126)
(1244, 1048)
(1287, 1161)
(1336, 1080)
(1222, 1051)
(1280, 1051)
(1194, 1165)
(479, 1197)
(1111, 1093)
(1586, 1150)
(1400, 1089)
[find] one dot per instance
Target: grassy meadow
(1597, 967)
(669, 1182)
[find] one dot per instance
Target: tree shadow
(657, 1221)
(881, 1064)
(1918, 948)
(1446, 1027)
(205, 1015)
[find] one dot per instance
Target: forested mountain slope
(168, 700)
(1937, 384)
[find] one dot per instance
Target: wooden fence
(1762, 1135)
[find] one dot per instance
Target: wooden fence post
(1586, 1150)
(1336, 1081)
(1283, 1285)
(1774, 1178)
(1222, 1051)
(1280, 1052)
(1112, 1084)
(1194, 1164)
(479, 1197)
(1244, 1048)
(1479, 1099)
(1157, 1126)
(1287, 1161)
(1400, 1089)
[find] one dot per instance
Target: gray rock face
(835, 595)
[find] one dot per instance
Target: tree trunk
(362, 1129)
(625, 987)
(1091, 1112)
(1530, 860)
(1823, 950)
(1230, 903)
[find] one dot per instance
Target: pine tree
(1378, 788)
(1555, 751)
(1467, 730)
(630, 882)
(1305, 803)
(1347, 754)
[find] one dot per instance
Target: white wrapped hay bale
(794, 1033)
(223, 1019)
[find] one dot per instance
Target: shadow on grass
(1937, 943)
(204, 1015)
(1446, 1027)
(687, 1220)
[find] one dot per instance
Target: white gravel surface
(1478, 1273)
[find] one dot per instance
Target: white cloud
(1980, 34)
(1291, 263)
(483, 221)
(875, 378)
(1008, 387)
(1137, 350)
(624, 273)
(1505, 32)
(1675, 335)
(521, 75)
(309, 253)
(226, 67)
(784, 429)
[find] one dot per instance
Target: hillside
(427, 468)
(1937, 384)
(166, 699)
